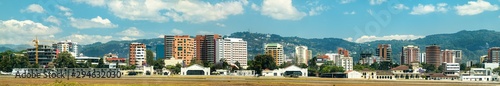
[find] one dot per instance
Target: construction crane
(36, 41)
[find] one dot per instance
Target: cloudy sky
(89, 21)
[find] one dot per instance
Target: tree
(65, 60)
(174, 69)
(462, 67)
(238, 65)
(286, 64)
(497, 70)
(428, 67)
(159, 64)
(440, 69)
(101, 63)
(313, 68)
(329, 68)
(303, 65)
(362, 67)
(263, 62)
(150, 58)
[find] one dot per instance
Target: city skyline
(88, 22)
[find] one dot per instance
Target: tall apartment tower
(343, 51)
(302, 54)
(384, 51)
(232, 50)
(493, 55)
(276, 51)
(451, 56)
(137, 54)
(67, 46)
(410, 54)
(205, 47)
(179, 47)
(433, 55)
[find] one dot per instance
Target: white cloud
(348, 39)
(401, 7)
(350, 13)
(92, 2)
(53, 19)
(176, 31)
(67, 11)
(97, 22)
(281, 10)
(390, 37)
(177, 10)
(255, 7)
(317, 10)
(377, 2)
(475, 7)
(127, 38)
(87, 39)
(35, 8)
(220, 25)
(429, 8)
(22, 32)
(346, 1)
(132, 31)
(205, 32)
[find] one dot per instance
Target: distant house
(195, 70)
(384, 75)
(404, 72)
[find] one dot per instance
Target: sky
(90, 21)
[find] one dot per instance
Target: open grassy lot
(227, 81)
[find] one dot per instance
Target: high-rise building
(384, 51)
(345, 62)
(301, 53)
(137, 54)
(67, 46)
(205, 47)
(422, 57)
(179, 47)
(410, 54)
(160, 52)
(433, 55)
(343, 51)
(46, 54)
(451, 56)
(232, 50)
(276, 51)
(493, 55)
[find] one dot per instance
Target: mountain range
(473, 44)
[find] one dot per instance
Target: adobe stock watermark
(382, 19)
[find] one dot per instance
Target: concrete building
(405, 72)
(384, 51)
(493, 55)
(206, 47)
(433, 55)
(345, 62)
(451, 56)
(137, 54)
(46, 54)
(451, 69)
(343, 51)
(232, 50)
(301, 53)
(173, 62)
(112, 59)
(370, 60)
(160, 52)
(353, 74)
(332, 56)
(195, 70)
(302, 72)
(491, 65)
(85, 59)
(67, 46)
(276, 51)
(179, 47)
(410, 53)
(422, 57)
(479, 74)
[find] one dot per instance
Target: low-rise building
(195, 70)
(451, 69)
(384, 75)
(404, 72)
(290, 70)
(173, 62)
(84, 59)
(353, 74)
(478, 74)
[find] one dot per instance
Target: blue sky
(89, 21)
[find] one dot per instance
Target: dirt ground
(227, 81)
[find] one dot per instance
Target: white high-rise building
(422, 58)
(301, 53)
(276, 51)
(232, 50)
(345, 62)
(67, 46)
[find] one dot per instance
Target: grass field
(226, 81)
